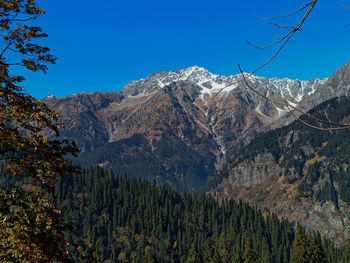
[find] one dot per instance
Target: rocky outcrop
(247, 175)
(268, 186)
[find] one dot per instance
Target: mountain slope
(180, 126)
(167, 223)
(297, 172)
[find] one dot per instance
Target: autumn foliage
(30, 227)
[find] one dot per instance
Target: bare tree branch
(283, 16)
(292, 108)
(346, 9)
(280, 39)
(283, 41)
(289, 28)
(342, 4)
(6, 48)
(289, 35)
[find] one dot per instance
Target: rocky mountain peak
(192, 75)
(211, 84)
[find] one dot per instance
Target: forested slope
(122, 220)
(297, 172)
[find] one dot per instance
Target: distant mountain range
(180, 127)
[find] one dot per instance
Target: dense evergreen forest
(118, 219)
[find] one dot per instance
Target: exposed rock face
(266, 185)
(298, 173)
(247, 175)
(175, 115)
(273, 193)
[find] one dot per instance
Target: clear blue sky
(101, 45)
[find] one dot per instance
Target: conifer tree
(209, 251)
(317, 253)
(249, 255)
(346, 255)
(223, 250)
(149, 257)
(300, 251)
(306, 249)
(193, 255)
(237, 258)
(122, 257)
(211, 254)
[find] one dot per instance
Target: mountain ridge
(190, 108)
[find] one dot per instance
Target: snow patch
(292, 103)
(280, 112)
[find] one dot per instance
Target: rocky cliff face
(180, 126)
(297, 172)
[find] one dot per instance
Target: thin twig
(278, 37)
(289, 35)
(7, 47)
(289, 28)
(282, 16)
(345, 8)
(270, 45)
(289, 106)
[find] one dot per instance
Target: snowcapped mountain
(212, 84)
(181, 126)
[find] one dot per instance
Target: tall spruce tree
(211, 253)
(193, 255)
(249, 255)
(306, 249)
(149, 257)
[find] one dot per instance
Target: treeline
(118, 219)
